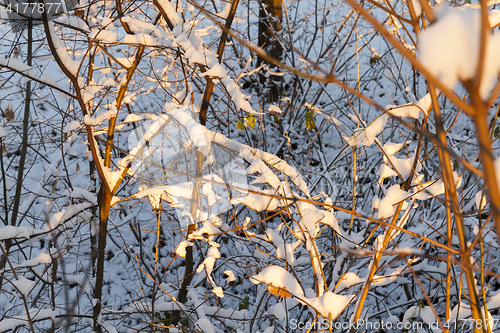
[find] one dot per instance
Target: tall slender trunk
(104, 200)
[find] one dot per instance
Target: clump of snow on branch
(450, 48)
(366, 136)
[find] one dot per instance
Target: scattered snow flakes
(366, 136)
(449, 48)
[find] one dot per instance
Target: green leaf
(495, 132)
(244, 304)
(276, 118)
(240, 125)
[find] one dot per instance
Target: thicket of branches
(247, 166)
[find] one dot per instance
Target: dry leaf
(279, 291)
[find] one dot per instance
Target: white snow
(172, 15)
(402, 165)
(449, 48)
(350, 279)
(434, 188)
(278, 277)
(133, 118)
(103, 35)
(66, 214)
(230, 276)
(218, 291)
(23, 285)
(384, 172)
(71, 126)
(18, 232)
(411, 110)
(258, 202)
(17, 65)
(216, 70)
(423, 312)
(366, 136)
(197, 133)
(225, 12)
(21, 320)
(274, 108)
(205, 325)
(181, 248)
(417, 8)
(278, 310)
(68, 62)
(394, 195)
(42, 258)
(330, 305)
(81, 193)
(94, 121)
(208, 264)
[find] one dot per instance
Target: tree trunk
(270, 19)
